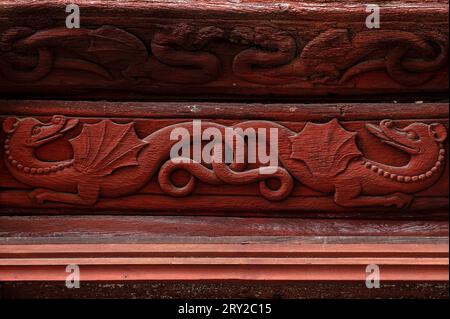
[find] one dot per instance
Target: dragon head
(31, 132)
(414, 139)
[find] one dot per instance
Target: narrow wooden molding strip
(269, 262)
(221, 250)
(83, 229)
(251, 49)
(290, 111)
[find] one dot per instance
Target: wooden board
(262, 262)
(377, 163)
(179, 229)
(224, 49)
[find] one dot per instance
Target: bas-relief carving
(179, 54)
(110, 160)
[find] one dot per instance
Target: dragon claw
(401, 200)
(39, 195)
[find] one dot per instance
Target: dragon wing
(336, 40)
(116, 48)
(103, 147)
(326, 149)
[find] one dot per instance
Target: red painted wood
(14, 253)
(116, 229)
(371, 177)
(220, 49)
(226, 262)
(356, 183)
(306, 273)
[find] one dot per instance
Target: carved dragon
(111, 53)
(179, 53)
(110, 160)
(325, 157)
(107, 52)
(335, 56)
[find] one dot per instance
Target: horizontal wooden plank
(223, 49)
(267, 262)
(43, 229)
(189, 273)
(391, 166)
(217, 250)
(291, 111)
(211, 262)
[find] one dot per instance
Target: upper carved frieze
(188, 54)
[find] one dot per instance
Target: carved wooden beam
(311, 192)
(330, 160)
(223, 49)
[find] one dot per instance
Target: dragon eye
(36, 130)
(412, 135)
(57, 119)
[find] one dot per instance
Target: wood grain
(313, 224)
(230, 262)
(116, 229)
(221, 49)
(154, 184)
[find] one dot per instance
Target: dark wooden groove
(224, 290)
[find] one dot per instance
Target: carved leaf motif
(326, 149)
(106, 146)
